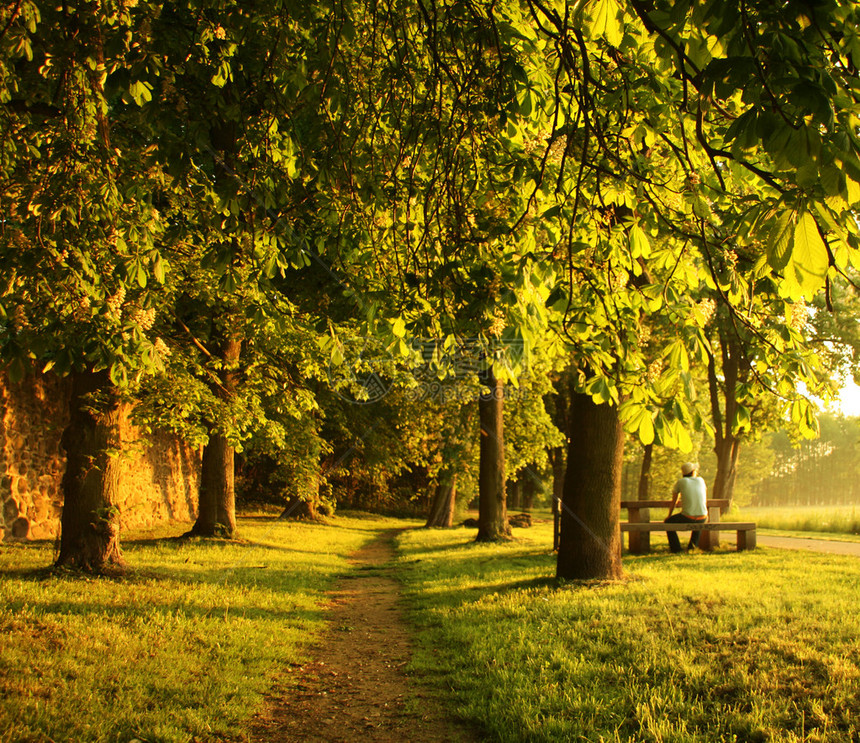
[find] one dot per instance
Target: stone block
(20, 528)
(10, 511)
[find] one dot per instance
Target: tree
(590, 544)
(80, 227)
(493, 514)
(611, 148)
(696, 164)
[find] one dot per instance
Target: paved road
(812, 545)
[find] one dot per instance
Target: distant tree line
(777, 470)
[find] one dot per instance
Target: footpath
(812, 545)
(356, 686)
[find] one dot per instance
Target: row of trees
(213, 209)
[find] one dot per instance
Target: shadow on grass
(297, 617)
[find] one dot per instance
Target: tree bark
(728, 452)
(640, 542)
(300, 510)
(442, 507)
(492, 510)
(217, 512)
(513, 494)
(590, 542)
(726, 443)
(528, 486)
(558, 408)
(89, 526)
(216, 515)
(305, 507)
(644, 491)
(559, 467)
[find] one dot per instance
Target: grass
(181, 650)
(726, 646)
(704, 648)
(820, 519)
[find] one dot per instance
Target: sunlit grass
(724, 646)
(180, 650)
(823, 519)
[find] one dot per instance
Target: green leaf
(604, 15)
(599, 390)
(640, 245)
(118, 375)
(742, 418)
(779, 241)
(853, 191)
(685, 443)
(399, 327)
(676, 354)
(16, 370)
(809, 258)
(158, 270)
(646, 430)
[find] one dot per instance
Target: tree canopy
(647, 189)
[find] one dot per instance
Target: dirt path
(356, 688)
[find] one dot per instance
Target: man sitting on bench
(694, 505)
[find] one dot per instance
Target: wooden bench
(639, 526)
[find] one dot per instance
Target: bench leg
(639, 542)
(746, 540)
(706, 540)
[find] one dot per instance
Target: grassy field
(724, 646)
(821, 519)
(710, 647)
(180, 650)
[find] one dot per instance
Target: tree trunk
(442, 508)
(89, 527)
(528, 486)
(590, 542)
(726, 443)
(513, 491)
(217, 512)
(727, 450)
(216, 515)
(300, 510)
(559, 466)
(492, 511)
(305, 506)
(558, 409)
(640, 542)
(645, 472)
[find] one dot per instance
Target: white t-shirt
(694, 496)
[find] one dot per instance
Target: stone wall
(160, 474)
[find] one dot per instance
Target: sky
(849, 399)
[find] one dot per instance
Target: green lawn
(724, 646)
(180, 650)
(834, 520)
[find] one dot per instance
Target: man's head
(689, 468)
